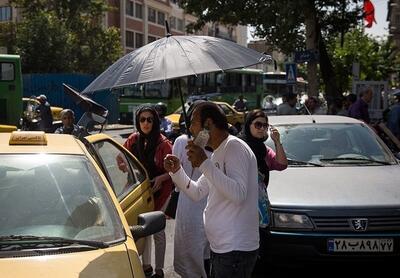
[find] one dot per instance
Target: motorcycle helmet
(161, 109)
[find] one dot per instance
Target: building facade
(143, 21)
(394, 21)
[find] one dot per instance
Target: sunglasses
(148, 119)
(259, 125)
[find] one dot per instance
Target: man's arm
(195, 190)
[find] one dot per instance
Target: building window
(151, 39)
(161, 18)
(152, 15)
(129, 39)
(129, 7)
(5, 14)
(172, 22)
(138, 40)
(180, 25)
(138, 10)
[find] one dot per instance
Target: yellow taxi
(233, 116)
(67, 210)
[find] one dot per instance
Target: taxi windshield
(45, 195)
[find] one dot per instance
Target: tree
(377, 57)
(284, 24)
(64, 36)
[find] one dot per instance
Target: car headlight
(291, 221)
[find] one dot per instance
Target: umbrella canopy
(173, 57)
(86, 104)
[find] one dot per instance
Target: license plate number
(360, 245)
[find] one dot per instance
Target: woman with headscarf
(255, 132)
(150, 147)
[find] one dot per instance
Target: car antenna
(309, 114)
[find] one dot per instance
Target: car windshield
(332, 144)
(44, 195)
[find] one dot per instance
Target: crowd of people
(218, 208)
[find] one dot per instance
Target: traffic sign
(291, 73)
(308, 55)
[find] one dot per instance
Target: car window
(55, 195)
(226, 109)
(124, 173)
(319, 142)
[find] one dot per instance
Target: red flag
(369, 13)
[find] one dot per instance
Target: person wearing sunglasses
(150, 147)
(254, 133)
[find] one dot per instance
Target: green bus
(228, 85)
(217, 86)
(10, 91)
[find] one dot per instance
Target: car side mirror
(148, 223)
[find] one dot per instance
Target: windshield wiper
(355, 159)
(6, 240)
(299, 162)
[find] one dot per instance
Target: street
(275, 270)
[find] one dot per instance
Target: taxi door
(126, 175)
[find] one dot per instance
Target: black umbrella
(173, 57)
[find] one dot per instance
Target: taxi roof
(56, 143)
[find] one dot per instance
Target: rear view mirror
(148, 223)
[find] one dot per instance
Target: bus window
(7, 72)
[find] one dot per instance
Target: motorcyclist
(165, 124)
(46, 117)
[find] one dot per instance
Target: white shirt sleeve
(196, 190)
(231, 179)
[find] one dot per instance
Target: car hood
(111, 262)
(347, 187)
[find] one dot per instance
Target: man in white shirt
(229, 177)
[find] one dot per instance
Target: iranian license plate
(360, 245)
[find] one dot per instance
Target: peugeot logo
(359, 224)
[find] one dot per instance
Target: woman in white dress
(191, 247)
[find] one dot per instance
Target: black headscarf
(256, 144)
(146, 152)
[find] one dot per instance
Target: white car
(339, 197)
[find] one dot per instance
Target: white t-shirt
(230, 180)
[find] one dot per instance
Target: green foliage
(65, 36)
(7, 36)
(375, 56)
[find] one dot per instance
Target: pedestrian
(254, 133)
(393, 119)
(240, 104)
(46, 117)
(288, 106)
(68, 127)
(359, 109)
(150, 147)
(190, 261)
(313, 106)
(229, 178)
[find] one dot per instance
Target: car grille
(375, 223)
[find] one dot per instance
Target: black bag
(172, 204)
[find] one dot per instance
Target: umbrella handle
(178, 85)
